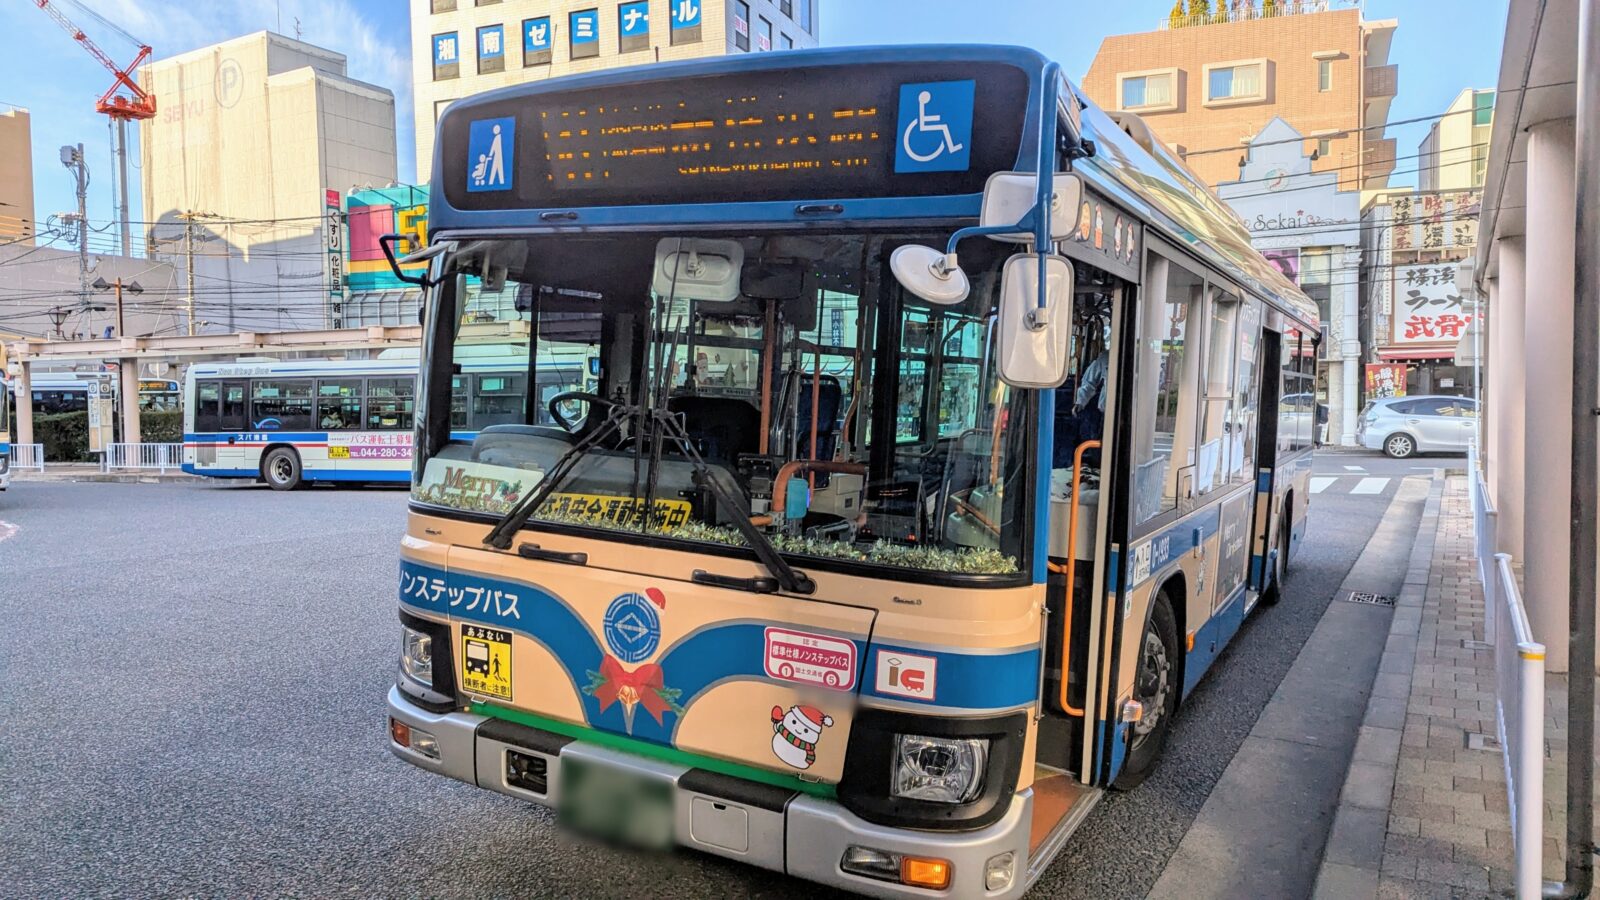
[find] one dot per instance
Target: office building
(464, 47)
(244, 166)
(16, 176)
(1208, 85)
(1455, 154)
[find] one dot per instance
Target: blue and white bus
(295, 422)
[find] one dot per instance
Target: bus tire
(1280, 560)
(1156, 685)
(281, 469)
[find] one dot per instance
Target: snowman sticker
(796, 733)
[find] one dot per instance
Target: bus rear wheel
(1156, 686)
(281, 469)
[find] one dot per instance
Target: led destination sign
(817, 133)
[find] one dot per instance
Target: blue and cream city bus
(295, 422)
(5, 428)
(914, 491)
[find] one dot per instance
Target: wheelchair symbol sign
(935, 131)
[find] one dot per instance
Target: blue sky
(1439, 55)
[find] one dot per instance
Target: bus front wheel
(1155, 686)
(281, 469)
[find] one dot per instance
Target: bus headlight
(941, 770)
(416, 656)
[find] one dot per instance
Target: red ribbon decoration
(645, 682)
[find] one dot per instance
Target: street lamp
(117, 286)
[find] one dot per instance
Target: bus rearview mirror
(1009, 197)
(1033, 337)
(935, 277)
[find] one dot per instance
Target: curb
(109, 478)
(1351, 858)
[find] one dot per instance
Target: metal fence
(27, 457)
(1518, 690)
(143, 457)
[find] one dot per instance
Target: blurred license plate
(616, 805)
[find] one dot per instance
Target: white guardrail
(1518, 689)
(153, 457)
(29, 457)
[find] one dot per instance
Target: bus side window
(208, 400)
(1166, 376)
(1218, 416)
(391, 403)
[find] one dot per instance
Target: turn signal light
(400, 732)
(925, 873)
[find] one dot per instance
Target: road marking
(1320, 483)
(8, 530)
(1370, 486)
(1355, 468)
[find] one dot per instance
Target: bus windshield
(845, 419)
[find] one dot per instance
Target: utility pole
(72, 158)
(122, 184)
(188, 255)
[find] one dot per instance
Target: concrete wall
(1453, 155)
(1291, 46)
(39, 279)
(433, 95)
(17, 222)
(253, 132)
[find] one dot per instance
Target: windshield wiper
(505, 530)
(791, 580)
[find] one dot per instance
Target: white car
(1405, 426)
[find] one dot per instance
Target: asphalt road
(191, 704)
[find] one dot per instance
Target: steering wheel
(565, 396)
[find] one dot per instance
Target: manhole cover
(1369, 598)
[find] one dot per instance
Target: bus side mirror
(1035, 321)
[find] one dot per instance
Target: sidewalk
(1424, 815)
(92, 472)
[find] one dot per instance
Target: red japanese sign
(1428, 309)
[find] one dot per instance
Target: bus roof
(1129, 166)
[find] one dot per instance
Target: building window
(1483, 108)
(1236, 82)
(803, 19)
(446, 56)
(785, 41)
(686, 17)
(440, 6)
(485, 2)
(538, 44)
(1324, 148)
(633, 26)
(741, 24)
(1324, 75)
(491, 49)
(764, 34)
(786, 7)
(583, 31)
(1150, 91)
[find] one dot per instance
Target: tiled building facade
(465, 47)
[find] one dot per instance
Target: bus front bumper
(776, 829)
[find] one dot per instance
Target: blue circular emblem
(632, 628)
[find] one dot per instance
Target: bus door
(1269, 374)
(232, 421)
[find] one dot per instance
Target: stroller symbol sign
(935, 131)
(491, 149)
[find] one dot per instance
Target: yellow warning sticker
(486, 661)
(338, 452)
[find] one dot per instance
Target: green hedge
(65, 436)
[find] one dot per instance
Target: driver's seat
(722, 428)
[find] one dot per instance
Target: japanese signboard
(1428, 309)
(446, 55)
(333, 241)
(686, 18)
(584, 33)
(634, 23)
(492, 48)
(1436, 221)
(1386, 380)
(536, 41)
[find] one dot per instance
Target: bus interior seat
(722, 428)
(830, 397)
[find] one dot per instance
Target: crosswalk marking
(1370, 486)
(1320, 483)
(1355, 468)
